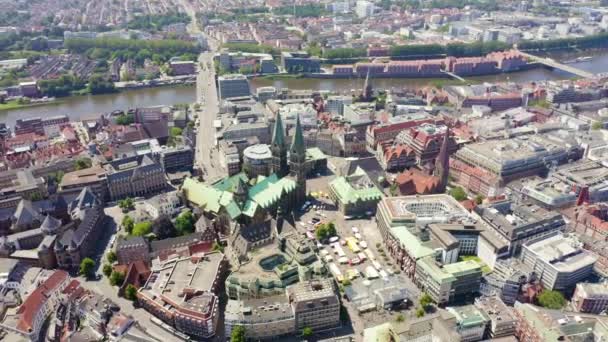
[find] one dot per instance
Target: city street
(209, 107)
(206, 97)
(102, 286)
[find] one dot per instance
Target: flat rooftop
(175, 276)
(510, 219)
(260, 310)
(495, 309)
(593, 289)
(516, 150)
(563, 252)
(311, 290)
(85, 176)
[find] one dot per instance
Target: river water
(81, 107)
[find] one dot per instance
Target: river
(90, 106)
(80, 107)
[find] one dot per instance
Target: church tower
(442, 163)
(297, 161)
(368, 90)
(278, 148)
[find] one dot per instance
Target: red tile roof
(36, 300)
(414, 181)
(397, 151)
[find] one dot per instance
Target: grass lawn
(9, 105)
(15, 105)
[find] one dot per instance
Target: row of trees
(162, 227)
(302, 11)
(239, 334)
(157, 22)
(66, 84)
(593, 41)
(62, 86)
(485, 5)
(454, 49)
(473, 49)
(252, 48)
(418, 50)
(162, 50)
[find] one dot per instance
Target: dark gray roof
(180, 241)
(85, 199)
(123, 170)
(131, 242)
(26, 214)
(50, 224)
(88, 223)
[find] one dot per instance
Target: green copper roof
(265, 193)
(297, 144)
(250, 208)
(437, 274)
(278, 136)
(205, 196)
(268, 191)
(228, 183)
(346, 193)
(414, 247)
(462, 268)
(315, 153)
(233, 210)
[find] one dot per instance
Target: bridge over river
(550, 62)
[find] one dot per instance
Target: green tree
(458, 193)
(87, 267)
(126, 204)
(117, 278)
(99, 84)
(218, 247)
(142, 228)
(238, 334)
(125, 119)
(551, 299)
(128, 224)
(131, 292)
(325, 231)
(184, 223)
(83, 163)
(420, 312)
(426, 301)
(307, 332)
(596, 125)
(479, 199)
(400, 318)
(176, 132)
(107, 270)
(57, 176)
(394, 189)
(112, 257)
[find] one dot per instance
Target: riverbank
(14, 104)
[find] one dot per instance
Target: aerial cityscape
(339, 171)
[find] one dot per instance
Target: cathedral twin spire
(279, 147)
(278, 136)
